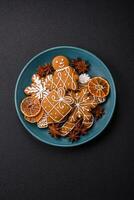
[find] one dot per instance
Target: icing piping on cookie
(37, 88)
(59, 104)
(83, 106)
(64, 75)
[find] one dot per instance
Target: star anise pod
(78, 126)
(73, 136)
(98, 112)
(45, 70)
(80, 65)
(54, 130)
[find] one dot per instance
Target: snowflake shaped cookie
(82, 109)
(37, 87)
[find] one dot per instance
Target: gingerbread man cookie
(57, 105)
(64, 75)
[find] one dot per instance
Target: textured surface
(102, 169)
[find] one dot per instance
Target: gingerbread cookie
(64, 75)
(98, 100)
(37, 88)
(84, 103)
(45, 121)
(57, 105)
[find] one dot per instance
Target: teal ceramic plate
(97, 68)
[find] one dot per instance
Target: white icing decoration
(83, 104)
(60, 99)
(37, 88)
(84, 78)
(43, 122)
(100, 100)
(69, 76)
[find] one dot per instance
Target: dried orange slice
(36, 118)
(30, 106)
(98, 87)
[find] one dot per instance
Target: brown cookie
(84, 103)
(37, 88)
(64, 75)
(57, 105)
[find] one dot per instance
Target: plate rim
(72, 144)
